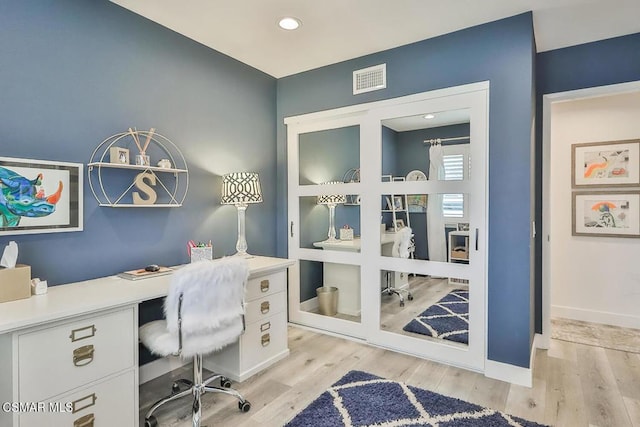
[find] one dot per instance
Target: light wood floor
(574, 384)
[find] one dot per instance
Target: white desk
(346, 277)
(79, 344)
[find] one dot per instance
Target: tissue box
(15, 283)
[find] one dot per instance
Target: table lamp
(331, 200)
(240, 189)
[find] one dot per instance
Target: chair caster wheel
(225, 383)
(410, 297)
(244, 406)
(175, 388)
(401, 303)
(151, 422)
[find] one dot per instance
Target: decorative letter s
(142, 186)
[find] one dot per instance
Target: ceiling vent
(371, 78)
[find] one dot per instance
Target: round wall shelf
(120, 177)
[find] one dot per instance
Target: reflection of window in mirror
(456, 168)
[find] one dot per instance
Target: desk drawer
(266, 285)
(264, 339)
(60, 358)
(264, 307)
(109, 404)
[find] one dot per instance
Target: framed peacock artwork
(40, 196)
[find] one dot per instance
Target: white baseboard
(310, 304)
(542, 341)
(593, 316)
(159, 367)
(512, 373)
(509, 373)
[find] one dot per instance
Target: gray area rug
(607, 336)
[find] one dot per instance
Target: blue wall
(74, 72)
(601, 63)
(501, 52)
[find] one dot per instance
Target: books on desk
(144, 274)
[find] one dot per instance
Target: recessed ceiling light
(429, 116)
(289, 23)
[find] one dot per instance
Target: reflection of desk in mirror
(346, 277)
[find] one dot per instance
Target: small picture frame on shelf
(397, 203)
(119, 155)
(399, 224)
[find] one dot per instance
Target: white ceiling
(337, 30)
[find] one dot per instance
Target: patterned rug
(361, 399)
(447, 319)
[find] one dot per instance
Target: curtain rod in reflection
(437, 141)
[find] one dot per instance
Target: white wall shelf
(166, 185)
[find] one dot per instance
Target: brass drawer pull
(265, 326)
(85, 421)
(264, 285)
(86, 402)
(266, 339)
(264, 307)
(82, 333)
(82, 356)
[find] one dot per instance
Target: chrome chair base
(390, 290)
(197, 388)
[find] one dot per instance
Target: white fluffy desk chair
(402, 247)
(204, 312)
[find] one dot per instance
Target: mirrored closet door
(325, 225)
(403, 183)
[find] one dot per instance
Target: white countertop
(64, 301)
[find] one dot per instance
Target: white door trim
(547, 101)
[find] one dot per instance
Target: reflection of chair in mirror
(205, 312)
(402, 247)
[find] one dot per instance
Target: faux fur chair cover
(212, 309)
(402, 243)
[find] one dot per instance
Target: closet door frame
(370, 188)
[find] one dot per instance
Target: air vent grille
(371, 78)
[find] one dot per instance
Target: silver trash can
(328, 300)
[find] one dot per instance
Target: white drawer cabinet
(88, 362)
(108, 403)
(264, 341)
(60, 358)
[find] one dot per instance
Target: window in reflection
(412, 144)
(438, 308)
(330, 289)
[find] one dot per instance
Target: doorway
(586, 278)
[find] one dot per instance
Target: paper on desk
(10, 255)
